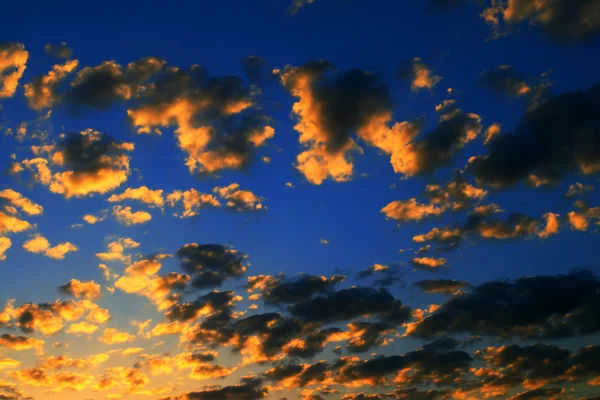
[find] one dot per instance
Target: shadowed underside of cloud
(217, 121)
(86, 163)
(335, 105)
(560, 136)
(527, 308)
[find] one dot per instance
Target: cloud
(82, 328)
(127, 217)
(441, 286)
(283, 290)
(296, 5)
(418, 73)
(506, 80)
(10, 224)
(430, 263)
(47, 318)
(410, 210)
(578, 189)
(546, 307)
(5, 244)
(58, 50)
(142, 278)
(19, 343)
(561, 20)
(330, 109)
(239, 199)
(91, 162)
(13, 61)
(245, 391)
(100, 86)
(556, 138)
(580, 219)
(153, 198)
(345, 305)
(116, 249)
(11, 198)
(191, 200)
(218, 123)
(211, 264)
(57, 382)
(42, 92)
(93, 219)
(40, 245)
(424, 365)
(88, 290)
(113, 336)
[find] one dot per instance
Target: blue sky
(302, 227)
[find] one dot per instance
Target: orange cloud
(83, 176)
(40, 245)
(113, 336)
(125, 216)
(5, 244)
(88, 290)
(13, 61)
(19, 343)
(21, 202)
(82, 327)
(410, 210)
(240, 199)
(179, 105)
(428, 262)
(191, 201)
(153, 198)
(116, 249)
(41, 92)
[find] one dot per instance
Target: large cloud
(102, 85)
(89, 162)
(533, 307)
(218, 123)
(333, 105)
(558, 137)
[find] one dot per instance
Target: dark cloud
(385, 275)
(443, 286)
(89, 153)
(58, 50)
(426, 365)
(544, 307)
(100, 86)
(351, 303)
(403, 394)
(504, 79)
(539, 393)
(249, 390)
(560, 136)
(347, 99)
(282, 290)
(256, 68)
(218, 123)
(454, 130)
(211, 264)
(540, 364)
(211, 303)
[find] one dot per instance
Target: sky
(300, 199)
